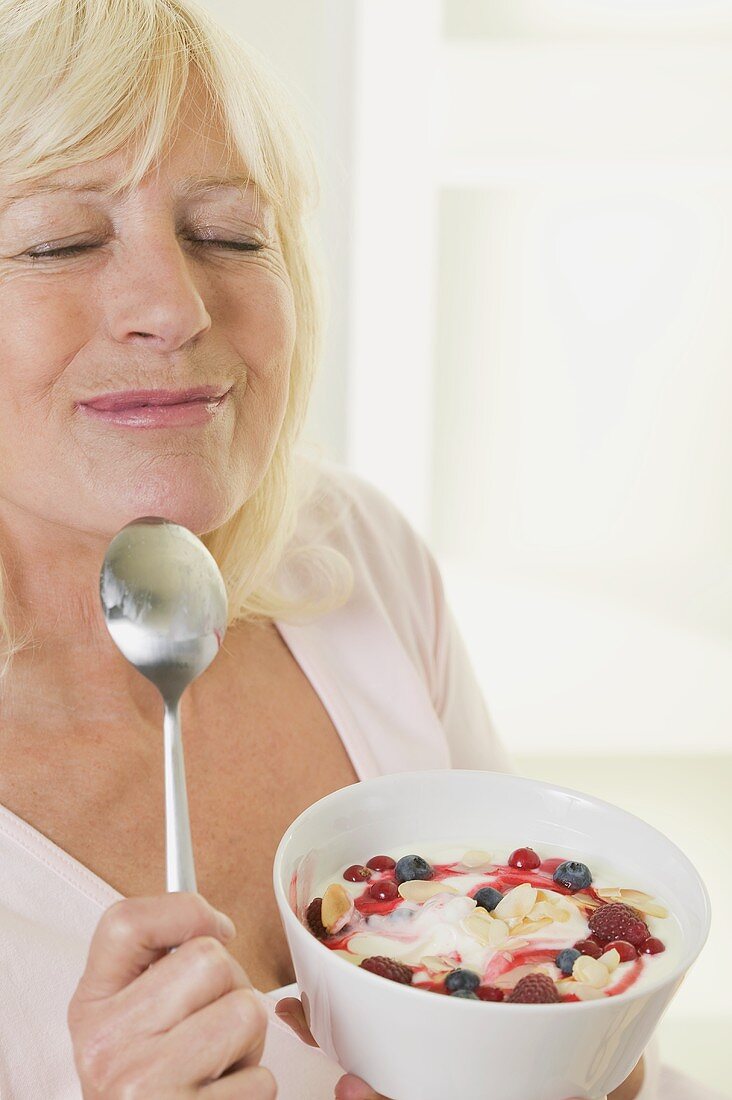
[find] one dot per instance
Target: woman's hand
(353, 1088)
(147, 1023)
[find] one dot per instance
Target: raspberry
(388, 968)
(489, 993)
(314, 918)
(534, 989)
(618, 921)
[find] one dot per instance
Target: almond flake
(566, 985)
(526, 927)
(488, 933)
(609, 893)
(497, 933)
(587, 992)
(611, 959)
(643, 902)
(548, 909)
(337, 908)
(419, 890)
(517, 902)
(590, 972)
(476, 858)
(435, 964)
(582, 901)
(509, 980)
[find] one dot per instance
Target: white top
(390, 669)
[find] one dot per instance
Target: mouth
(140, 399)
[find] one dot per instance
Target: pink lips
(156, 408)
(133, 399)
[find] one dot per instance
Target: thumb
(353, 1088)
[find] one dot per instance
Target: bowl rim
(287, 914)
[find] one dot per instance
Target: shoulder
(356, 517)
(395, 578)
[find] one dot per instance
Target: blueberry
(465, 981)
(411, 867)
(565, 960)
(575, 876)
(467, 994)
(488, 898)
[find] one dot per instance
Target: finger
(254, 1083)
(177, 985)
(353, 1088)
(201, 1048)
(290, 1010)
(132, 933)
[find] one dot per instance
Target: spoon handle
(181, 874)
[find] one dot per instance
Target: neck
(69, 666)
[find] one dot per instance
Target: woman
(159, 325)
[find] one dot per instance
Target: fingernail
(226, 926)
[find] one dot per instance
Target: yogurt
(434, 925)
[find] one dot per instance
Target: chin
(197, 503)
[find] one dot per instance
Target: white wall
(526, 217)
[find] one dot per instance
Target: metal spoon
(165, 605)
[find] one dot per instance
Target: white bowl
(412, 1045)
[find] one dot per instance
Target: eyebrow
(192, 185)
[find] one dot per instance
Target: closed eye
(76, 249)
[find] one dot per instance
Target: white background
(526, 215)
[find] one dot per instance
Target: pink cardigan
(392, 672)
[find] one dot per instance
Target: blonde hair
(82, 78)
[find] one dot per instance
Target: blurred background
(527, 221)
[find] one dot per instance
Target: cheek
(42, 327)
(265, 331)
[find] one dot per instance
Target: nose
(155, 300)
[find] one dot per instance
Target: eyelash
(75, 249)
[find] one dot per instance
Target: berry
(466, 994)
(534, 989)
(388, 968)
(575, 876)
(651, 946)
(381, 863)
(588, 947)
(462, 979)
(489, 993)
(566, 959)
(356, 873)
(618, 921)
(626, 950)
(383, 891)
(410, 867)
(488, 898)
(525, 859)
(314, 918)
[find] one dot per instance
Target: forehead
(197, 160)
